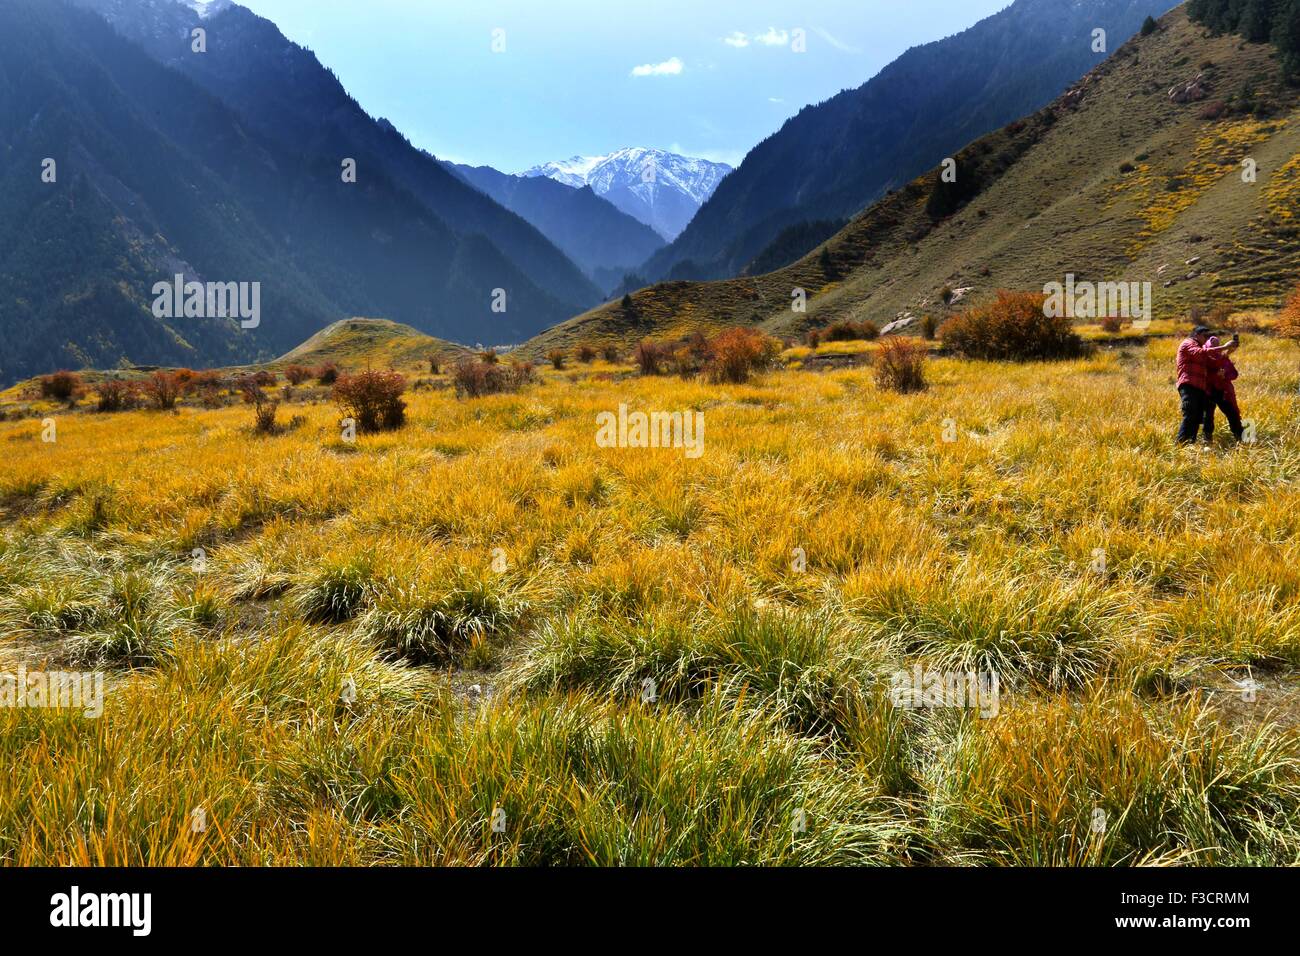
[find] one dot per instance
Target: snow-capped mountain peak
(206, 8)
(661, 189)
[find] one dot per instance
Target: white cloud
(774, 37)
(737, 39)
(670, 67)
(775, 99)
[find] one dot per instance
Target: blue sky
(705, 78)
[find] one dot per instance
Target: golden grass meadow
(484, 639)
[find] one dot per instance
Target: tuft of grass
(1104, 782)
(430, 619)
(336, 590)
(571, 781)
(810, 667)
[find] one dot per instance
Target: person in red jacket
(1223, 394)
(1194, 366)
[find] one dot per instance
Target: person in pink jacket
(1194, 357)
(1222, 393)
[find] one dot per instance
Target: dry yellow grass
(678, 660)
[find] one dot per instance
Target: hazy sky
(706, 78)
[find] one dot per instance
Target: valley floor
(485, 639)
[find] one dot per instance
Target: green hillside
(377, 343)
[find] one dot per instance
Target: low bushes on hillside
(162, 390)
(900, 365)
(730, 356)
(61, 386)
(1013, 327)
(117, 395)
(475, 376)
(297, 374)
(327, 374)
(849, 331)
(373, 400)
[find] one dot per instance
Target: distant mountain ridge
(661, 189)
(283, 92)
(605, 242)
(835, 158)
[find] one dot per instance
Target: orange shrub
(652, 357)
(297, 374)
(585, 354)
(851, 332)
(475, 377)
(735, 354)
(61, 386)
(327, 374)
(162, 390)
(373, 400)
(1015, 328)
(1112, 324)
(116, 395)
(209, 379)
(1288, 323)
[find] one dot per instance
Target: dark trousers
(1230, 412)
(1196, 404)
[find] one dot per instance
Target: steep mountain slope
(128, 205)
(656, 187)
(157, 177)
(280, 90)
(833, 159)
(604, 242)
(1134, 175)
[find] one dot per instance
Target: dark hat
(1202, 330)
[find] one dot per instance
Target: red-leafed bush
(652, 358)
(1015, 328)
(61, 386)
(116, 395)
(474, 377)
(162, 390)
(327, 374)
(209, 379)
(735, 354)
(297, 374)
(1288, 323)
(373, 400)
